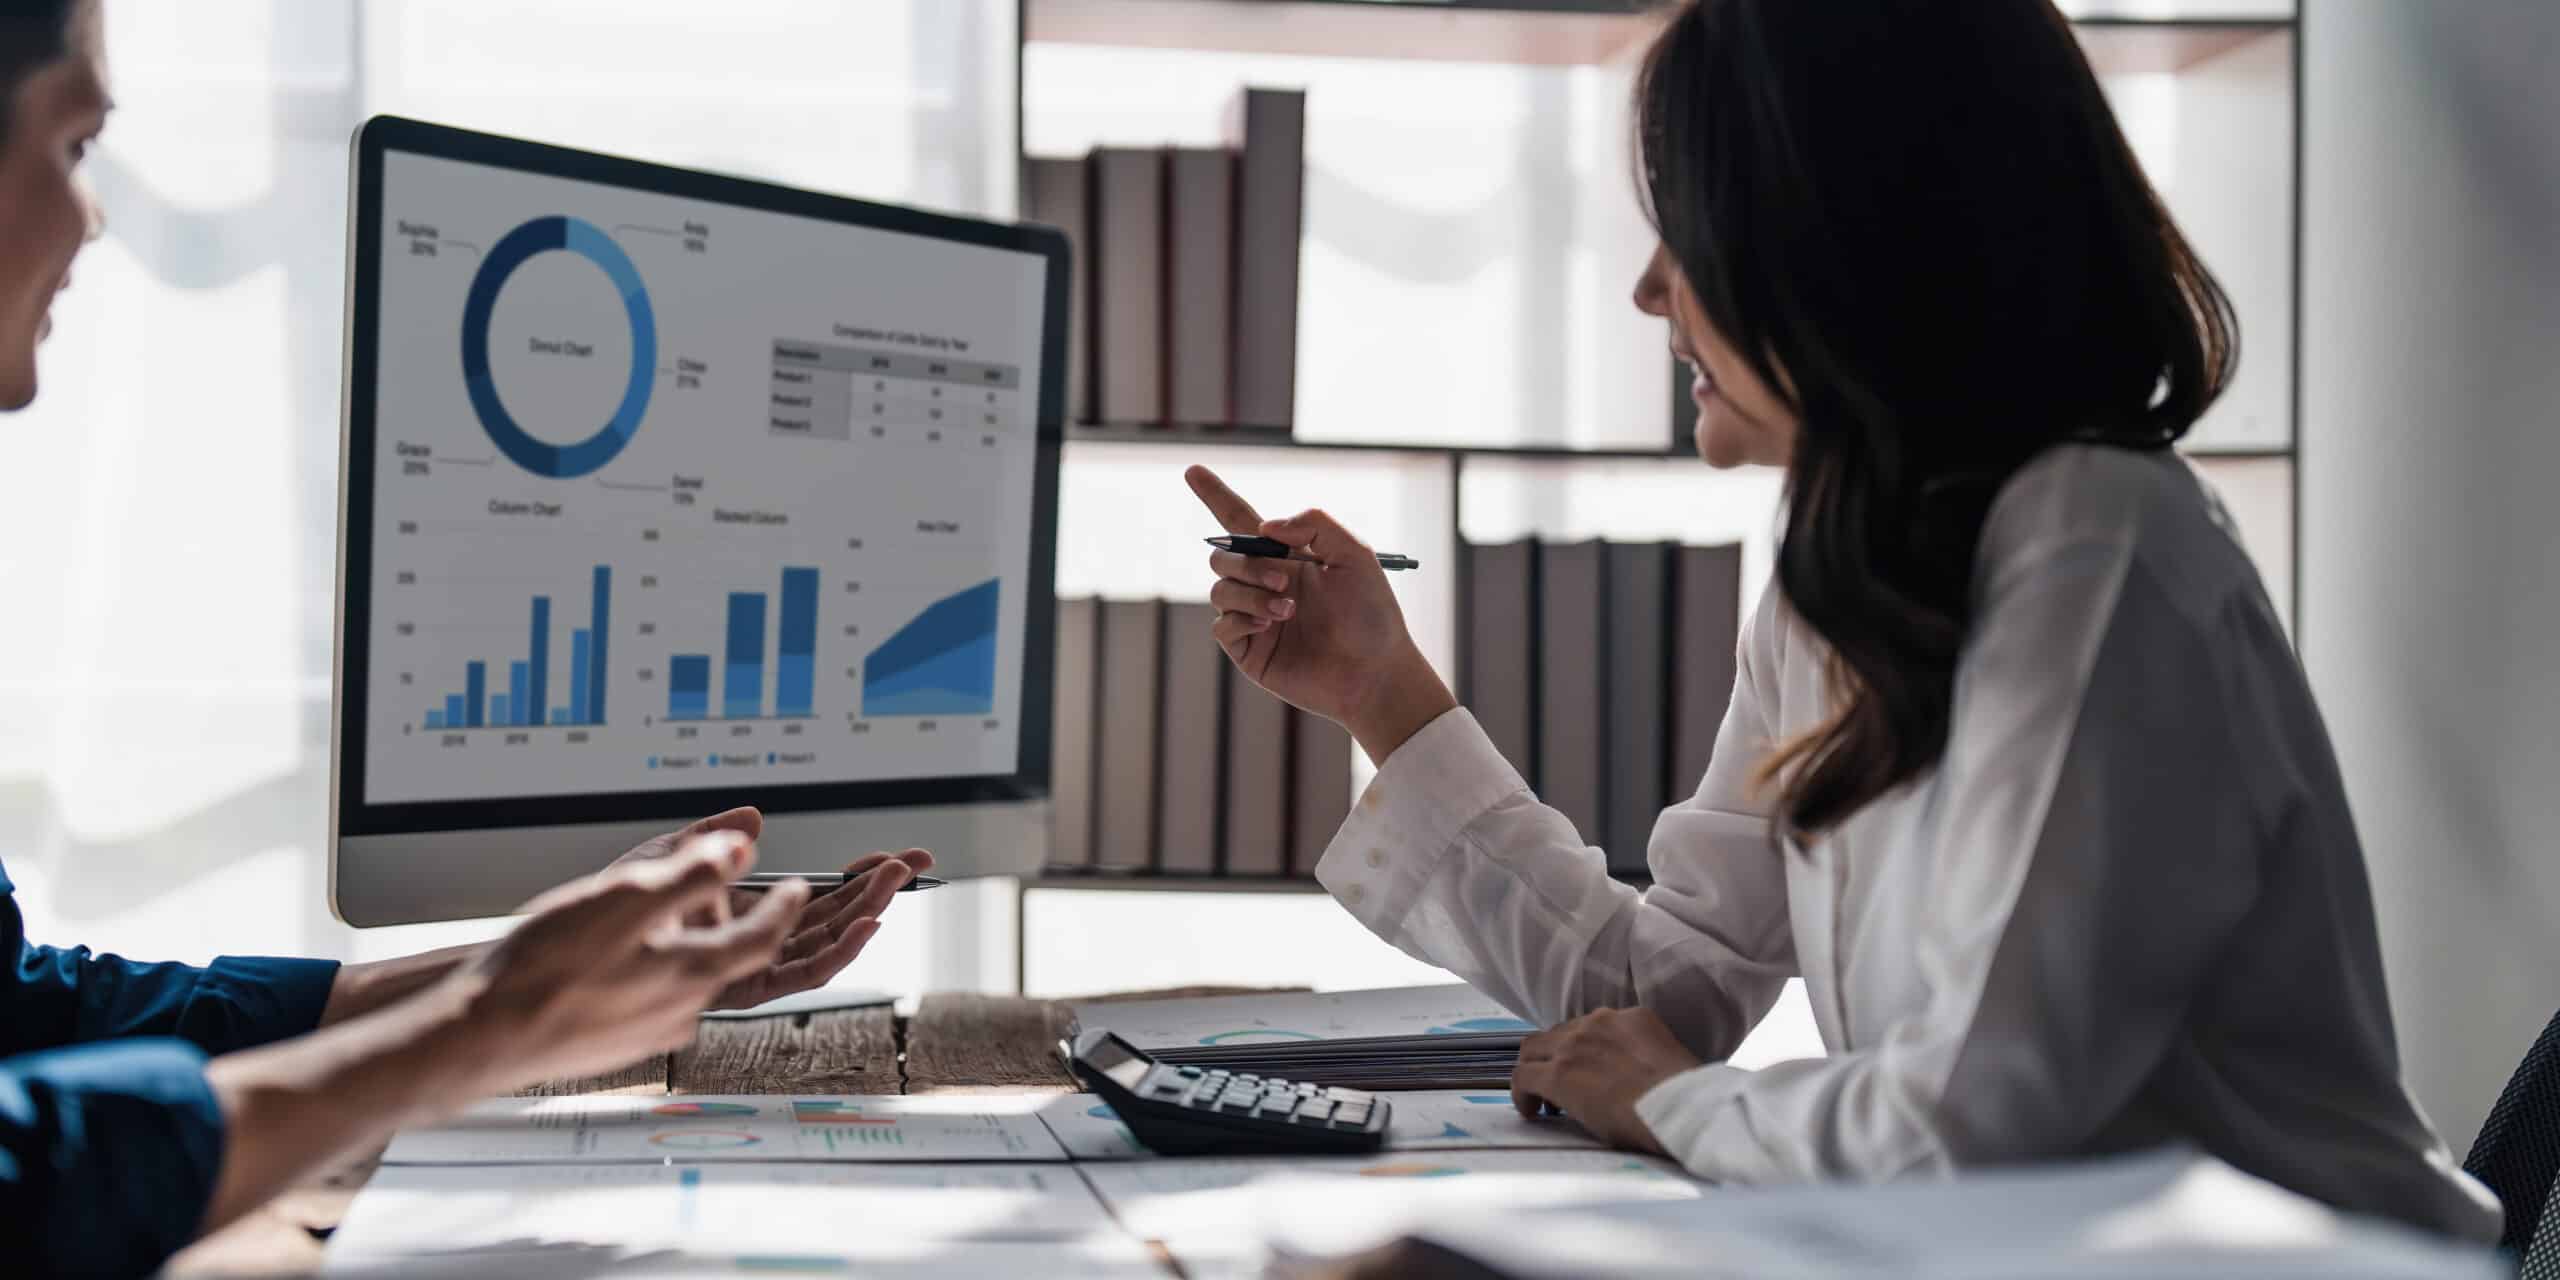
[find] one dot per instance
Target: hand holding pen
(1320, 628)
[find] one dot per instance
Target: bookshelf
(1422, 458)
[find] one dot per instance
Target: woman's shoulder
(2147, 505)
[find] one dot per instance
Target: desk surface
(953, 1044)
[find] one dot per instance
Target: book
(1055, 192)
(1258, 798)
(1128, 285)
(1498, 667)
(1127, 712)
(1320, 781)
(1071, 734)
(1269, 128)
(1707, 600)
(1639, 697)
(1573, 684)
(1193, 741)
(1441, 1037)
(1200, 209)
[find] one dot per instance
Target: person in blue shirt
(142, 1105)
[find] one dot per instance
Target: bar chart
(742, 659)
(527, 699)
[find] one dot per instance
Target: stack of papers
(1214, 1214)
(702, 1129)
(1451, 1037)
(2158, 1214)
(652, 1220)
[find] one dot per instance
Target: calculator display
(1113, 1057)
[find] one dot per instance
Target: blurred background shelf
(2122, 40)
(1558, 33)
(1230, 438)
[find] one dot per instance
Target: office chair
(2518, 1155)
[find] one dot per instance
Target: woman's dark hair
(1919, 223)
(32, 33)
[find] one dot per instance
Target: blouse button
(1355, 894)
(1377, 857)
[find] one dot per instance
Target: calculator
(1203, 1110)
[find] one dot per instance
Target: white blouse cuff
(1680, 1110)
(1429, 791)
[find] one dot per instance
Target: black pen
(1245, 544)
(820, 881)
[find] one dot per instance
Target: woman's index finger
(1234, 514)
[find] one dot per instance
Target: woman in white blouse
(2020, 774)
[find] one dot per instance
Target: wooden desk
(953, 1044)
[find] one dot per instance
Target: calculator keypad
(1280, 1101)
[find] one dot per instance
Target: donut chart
(585, 239)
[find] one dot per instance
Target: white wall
(2431, 450)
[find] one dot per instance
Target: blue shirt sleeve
(108, 1155)
(110, 1139)
(60, 996)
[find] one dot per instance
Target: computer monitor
(664, 492)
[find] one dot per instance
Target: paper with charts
(1167, 1199)
(1456, 1009)
(901, 1220)
(1434, 1120)
(700, 1129)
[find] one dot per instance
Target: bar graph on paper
(530, 691)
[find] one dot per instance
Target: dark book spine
(1270, 127)
(1498, 668)
(1708, 602)
(1056, 192)
(1573, 662)
(1127, 760)
(1200, 289)
(1259, 797)
(1128, 285)
(1193, 740)
(1639, 628)
(1071, 782)
(1320, 779)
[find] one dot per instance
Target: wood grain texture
(839, 1051)
(960, 1042)
(648, 1075)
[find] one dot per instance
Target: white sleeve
(1449, 857)
(2094, 844)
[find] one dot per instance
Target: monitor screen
(667, 490)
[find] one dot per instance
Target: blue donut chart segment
(585, 239)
